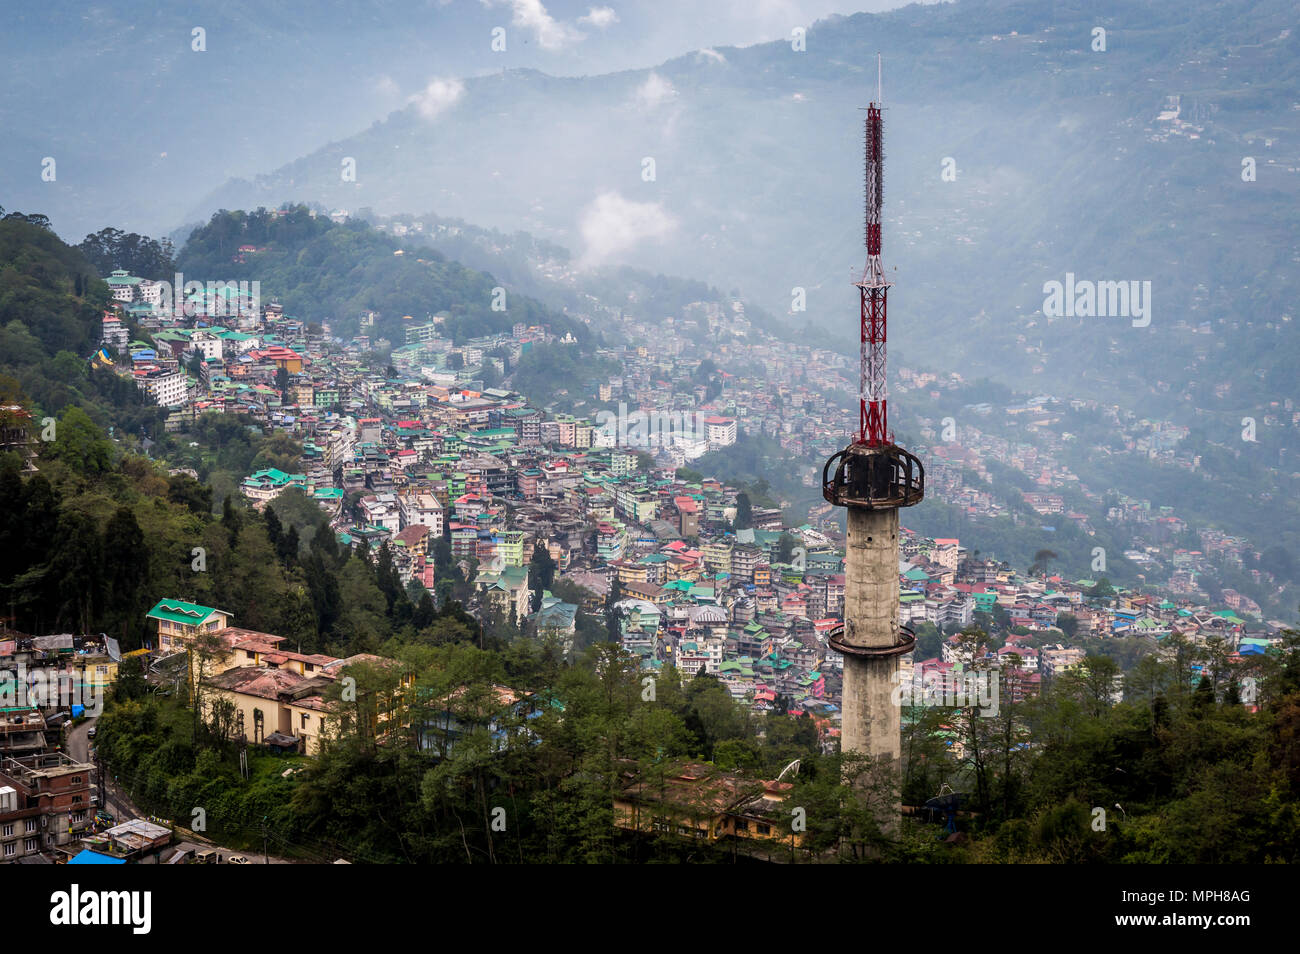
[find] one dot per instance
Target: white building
(206, 343)
(151, 293)
(720, 431)
(381, 511)
(123, 285)
(422, 509)
(168, 389)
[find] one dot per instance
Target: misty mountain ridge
(757, 168)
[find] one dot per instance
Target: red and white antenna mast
(873, 416)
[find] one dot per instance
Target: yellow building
(632, 572)
(703, 802)
(180, 622)
(277, 697)
(278, 704)
(717, 557)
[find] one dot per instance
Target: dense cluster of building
(425, 458)
(47, 798)
(422, 451)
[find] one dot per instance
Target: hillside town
(420, 451)
(421, 454)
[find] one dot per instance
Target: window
(29, 825)
(76, 780)
(10, 849)
(305, 719)
(764, 829)
(32, 844)
(76, 799)
(9, 830)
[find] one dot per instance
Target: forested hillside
(322, 271)
(51, 304)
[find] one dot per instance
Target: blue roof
(88, 857)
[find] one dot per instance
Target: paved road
(78, 747)
(79, 741)
(254, 858)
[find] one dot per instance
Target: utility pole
(100, 769)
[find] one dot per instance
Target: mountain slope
(1062, 167)
(323, 271)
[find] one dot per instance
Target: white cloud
(438, 96)
(599, 17)
(654, 90)
(611, 225)
(708, 53)
(532, 15)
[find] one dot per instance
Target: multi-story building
(114, 334)
(1054, 660)
(611, 541)
(717, 556)
(744, 558)
(166, 388)
(180, 623)
(422, 508)
(720, 431)
(122, 285)
(44, 803)
(381, 510)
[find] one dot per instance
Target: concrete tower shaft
(870, 723)
(871, 579)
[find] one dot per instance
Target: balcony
(875, 478)
(904, 643)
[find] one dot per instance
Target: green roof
(179, 611)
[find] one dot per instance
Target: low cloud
(532, 15)
(612, 225)
(654, 91)
(708, 53)
(599, 17)
(437, 97)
